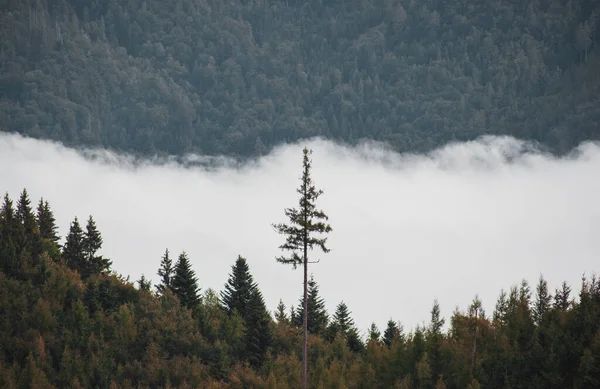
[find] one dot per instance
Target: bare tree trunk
(305, 324)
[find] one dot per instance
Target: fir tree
(144, 283)
(434, 340)
(242, 296)
(46, 222)
(239, 288)
(29, 238)
(317, 314)
(543, 301)
(355, 343)
(92, 242)
(184, 283)
(165, 272)
(342, 322)
(391, 333)
(562, 296)
(8, 235)
(374, 333)
(257, 335)
(307, 225)
(501, 310)
(280, 315)
(74, 247)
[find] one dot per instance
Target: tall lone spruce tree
(305, 231)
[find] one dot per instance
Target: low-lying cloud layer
(470, 218)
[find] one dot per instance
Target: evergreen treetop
(46, 222)
(185, 283)
(317, 314)
(166, 273)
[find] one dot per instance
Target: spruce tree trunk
(305, 324)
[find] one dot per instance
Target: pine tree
(165, 272)
(391, 333)
(242, 296)
(74, 248)
(307, 225)
(317, 314)
(92, 242)
(184, 282)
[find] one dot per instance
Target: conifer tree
(280, 315)
(562, 296)
(184, 283)
(355, 343)
(92, 242)
(391, 333)
(501, 310)
(475, 313)
(342, 322)
(242, 295)
(46, 222)
(8, 234)
(239, 288)
(29, 238)
(317, 314)
(307, 225)
(144, 283)
(74, 247)
(257, 336)
(374, 333)
(434, 340)
(543, 301)
(165, 272)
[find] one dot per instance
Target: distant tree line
(68, 321)
(238, 77)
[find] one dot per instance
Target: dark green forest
(238, 77)
(68, 321)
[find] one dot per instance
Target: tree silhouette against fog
(305, 231)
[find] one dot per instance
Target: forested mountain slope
(240, 76)
(68, 321)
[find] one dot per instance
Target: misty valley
(71, 320)
(282, 194)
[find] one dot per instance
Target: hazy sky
(467, 219)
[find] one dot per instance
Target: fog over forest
(467, 218)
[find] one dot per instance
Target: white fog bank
(469, 218)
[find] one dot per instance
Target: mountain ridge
(240, 77)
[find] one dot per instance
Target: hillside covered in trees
(68, 321)
(237, 77)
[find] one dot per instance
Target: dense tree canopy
(238, 77)
(59, 330)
